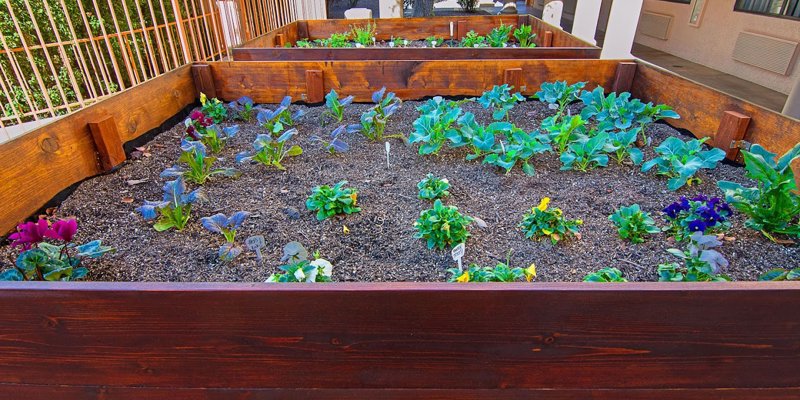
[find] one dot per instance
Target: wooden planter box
(552, 42)
(96, 340)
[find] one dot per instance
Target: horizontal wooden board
(702, 109)
(38, 165)
(409, 53)
(541, 339)
(270, 81)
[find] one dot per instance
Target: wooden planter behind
(552, 42)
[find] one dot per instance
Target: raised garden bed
(386, 340)
(282, 44)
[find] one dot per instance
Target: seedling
(199, 166)
(336, 144)
(633, 224)
(442, 226)
(525, 36)
(680, 161)
(500, 100)
(271, 152)
(335, 106)
(175, 209)
(543, 222)
(432, 188)
(328, 201)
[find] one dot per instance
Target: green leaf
(11, 275)
(776, 274)
(93, 249)
(527, 168)
(61, 274)
(787, 158)
(636, 156)
(163, 225)
(293, 151)
(793, 275)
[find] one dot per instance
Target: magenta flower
(63, 230)
(196, 115)
(29, 234)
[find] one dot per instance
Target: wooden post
(108, 143)
(523, 20)
(461, 29)
(280, 40)
(547, 39)
(513, 77)
(315, 86)
(623, 80)
(203, 80)
(731, 131)
(302, 30)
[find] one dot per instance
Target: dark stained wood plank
(732, 129)
(513, 77)
(203, 81)
(302, 30)
(107, 141)
(623, 79)
(579, 337)
(269, 82)
(701, 109)
(315, 86)
(462, 27)
(280, 40)
(412, 53)
(63, 152)
(547, 39)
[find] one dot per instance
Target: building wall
(711, 44)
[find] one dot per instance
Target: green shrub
(329, 201)
(633, 224)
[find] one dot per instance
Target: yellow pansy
(354, 196)
(547, 231)
(345, 229)
(464, 277)
(203, 98)
(543, 204)
(530, 272)
(579, 221)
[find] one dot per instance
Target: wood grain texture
(623, 79)
(269, 82)
(315, 86)
(732, 128)
(107, 142)
(545, 340)
(412, 53)
(203, 81)
(36, 166)
(701, 109)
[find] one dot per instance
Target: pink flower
(196, 115)
(29, 234)
(63, 230)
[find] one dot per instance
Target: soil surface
(380, 245)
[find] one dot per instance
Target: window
(777, 8)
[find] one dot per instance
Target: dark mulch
(380, 246)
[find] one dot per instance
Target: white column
(390, 8)
(621, 29)
(587, 13)
(792, 106)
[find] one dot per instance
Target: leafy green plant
(472, 39)
(213, 108)
(269, 151)
(336, 106)
(615, 111)
(470, 133)
(373, 121)
(364, 35)
(521, 147)
(566, 132)
(498, 36)
(304, 43)
(605, 275)
(585, 153)
(525, 36)
(175, 209)
(435, 125)
(242, 109)
(501, 100)
(336, 40)
(633, 224)
(200, 167)
(558, 95)
(300, 268)
(680, 161)
(336, 144)
(701, 263)
(502, 272)
(328, 201)
(398, 42)
(40, 260)
(772, 206)
(226, 226)
(275, 121)
(434, 41)
(432, 188)
(620, 146)
(698, 214)
(780, 274)
(543, 222)
(652, 113)
(442, 226)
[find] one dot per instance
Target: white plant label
(388, 149)
(553, 106)
(458, 253)
(256, 243)
(451, 28)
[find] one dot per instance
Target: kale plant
(271, 152)
(226, 226)
(698, 214)
(472, 39)
(605, 275)
(364, 35)
(373, 122)
(566, 132)
(435, 125)
(434, 41)
(585, 153)
(335, 106)
(621, 145)
(498, 36)
(40, 260)
(701, 263)
(780, 274)
(213, 108)
(525, 36)
(442, 226)
(772, 206)
(242, 109)
(633, 224)
(470, 133)
(615, 111)
(199, 166)
(276, 120)
(501, 100)
(336, 144)
(652, 113)
(558, 95)
(521, 147)
(432, 188)
(328, 201)
(680, 161)
(175, 209)
(300, 268)
(543, 222)
(304, 43)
